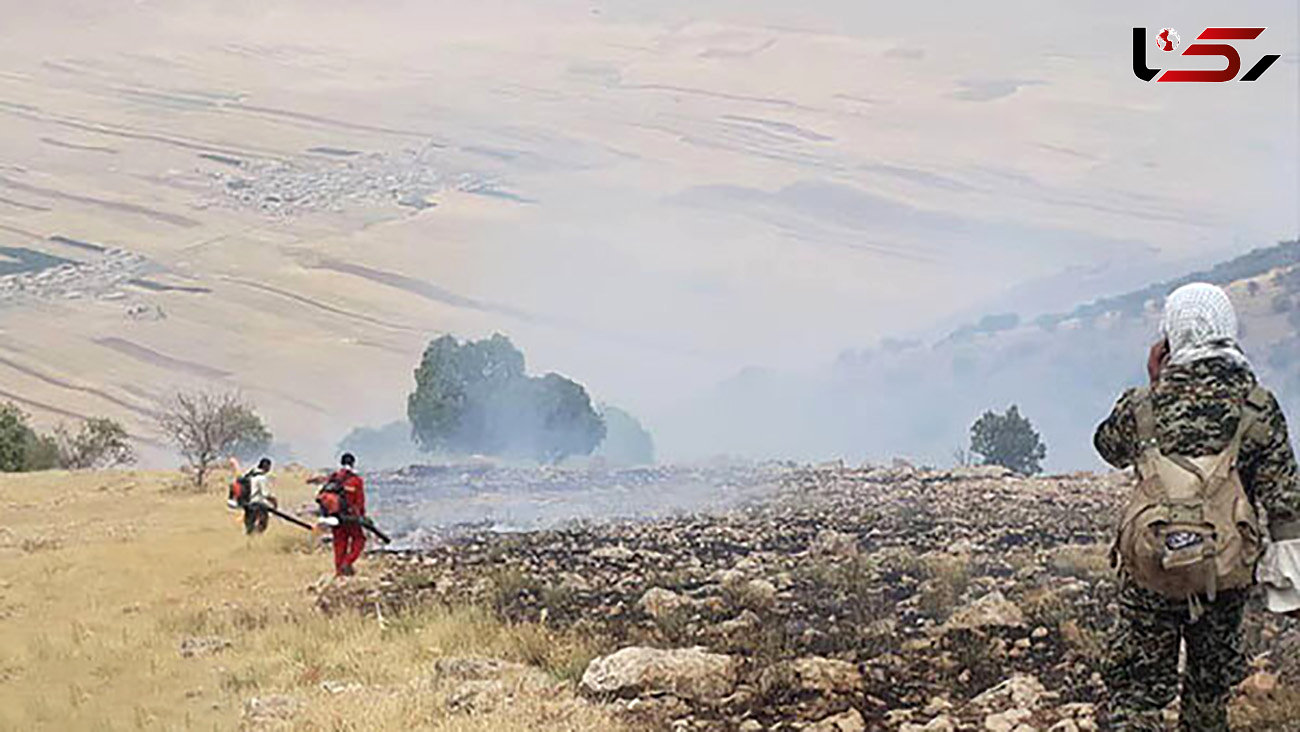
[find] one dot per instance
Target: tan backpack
(1188, 529)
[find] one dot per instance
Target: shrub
(100, 443)
(14, 438)
(1008, 440)
(23, 449)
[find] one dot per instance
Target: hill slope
(1064, 371)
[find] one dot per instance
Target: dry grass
(99, 588)
(947, 577)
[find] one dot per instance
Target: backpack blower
(334, 511)
(242, 487)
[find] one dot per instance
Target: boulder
(1021, 691)
(688, 673)
(659, 603)
(991, 610)
(812, 675)
(1007, 721)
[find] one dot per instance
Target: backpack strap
(1252, 408)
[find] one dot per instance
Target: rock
(745, 622)
(812, 674)
(1021, 691)
(991, 610)
(937, 705)
(339, 687)
(619, 553)
(270, 710)
(688, 673)
(750, 725)
(659, 603)
(757, 594)
(849, 721)
(203, 646)
(897, 717)
(478, 685)
(1260, 683)
(1006, 721)
(831, 543)
(941, 723)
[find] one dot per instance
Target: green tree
(14, 436)
(626, 441)
(451, 378)
(474, 397)
(205, 426)
(21, 448)
(568, 425)
(41, 453)
(1008, 440)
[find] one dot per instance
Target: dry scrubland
(848, 599)
(119, 595)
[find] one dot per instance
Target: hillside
(908, 397)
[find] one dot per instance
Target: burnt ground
(891, 597)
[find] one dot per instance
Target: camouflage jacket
(1197, 408)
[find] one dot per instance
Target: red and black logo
(1167, 40)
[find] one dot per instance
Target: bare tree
(962, 457)
(205, 426)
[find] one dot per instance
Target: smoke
(919, 399)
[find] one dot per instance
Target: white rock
(689, 673)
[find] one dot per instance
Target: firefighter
(342, 497)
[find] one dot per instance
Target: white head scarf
(1200, 323)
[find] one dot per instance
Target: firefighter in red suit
(349, 539)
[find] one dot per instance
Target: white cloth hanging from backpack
(1279, 572)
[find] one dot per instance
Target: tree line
(470, 397)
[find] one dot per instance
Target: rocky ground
(873, 598)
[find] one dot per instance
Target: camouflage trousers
(1141, 669)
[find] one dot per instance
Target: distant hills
(1064, 370)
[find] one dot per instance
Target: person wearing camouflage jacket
(1200, 381)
